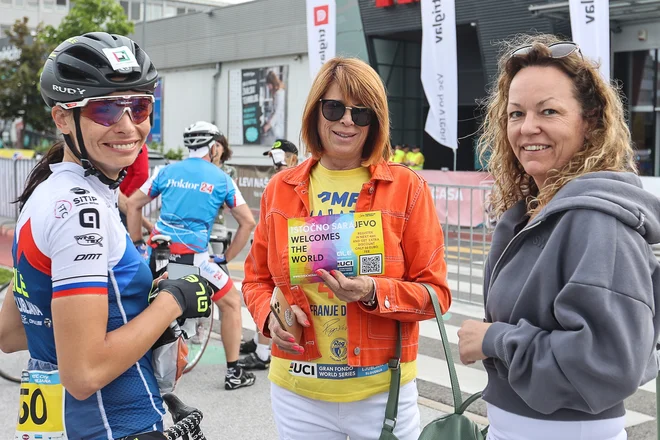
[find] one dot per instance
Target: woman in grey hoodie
(572, 286)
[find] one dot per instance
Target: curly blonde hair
(607, 146)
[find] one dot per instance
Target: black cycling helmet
(91, 65)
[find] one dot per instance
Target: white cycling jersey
(70, 241)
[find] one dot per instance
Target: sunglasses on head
(108, 110)
(334, 110)
(557, 50)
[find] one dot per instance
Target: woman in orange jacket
(332, 382)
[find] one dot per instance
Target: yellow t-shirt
(417, 159)
(399, 156)
(333, 192)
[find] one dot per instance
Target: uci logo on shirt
(302, 369)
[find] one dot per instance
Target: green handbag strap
(395, 368)
(395, 384)
(455, 387)
(459, 405)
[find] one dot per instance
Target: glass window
(170, 11)
(32, 4)
(154, 11)
(395, 82)
(413, 84)
(124, 5)
(136, 8)
(180, 11)
(642, 132)
(396, 113)
(643, 64)
(413, 55)
(412, 114)
(5, 3)
(385, 50)
(49, 5)
(61, 5)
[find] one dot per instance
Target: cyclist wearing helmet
(81, 292)
(192, 191)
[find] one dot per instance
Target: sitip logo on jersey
(321, 15)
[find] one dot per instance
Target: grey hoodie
(573, 299)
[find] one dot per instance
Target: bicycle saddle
(160, 238)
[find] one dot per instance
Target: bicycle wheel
(202, 335)
(11, 365)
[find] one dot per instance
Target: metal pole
(455, 158)
(144, 24)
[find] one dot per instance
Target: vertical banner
(156, 133)
(257, 105)
(321, 33)
(590, 26)
(440, 70)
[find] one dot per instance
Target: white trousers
(301, 418)
(508, 426)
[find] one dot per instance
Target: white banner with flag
(440, 70)
(321, 33)
(590, 25)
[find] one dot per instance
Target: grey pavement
(245, 413)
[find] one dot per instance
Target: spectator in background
(284, 155)
(416, 158)
(220, 160)
(136, 175)
(406, 154)
(223, 155)
(399, 155)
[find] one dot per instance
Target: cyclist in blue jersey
(81, 291)
(192, 191)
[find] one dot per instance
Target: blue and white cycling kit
(192, 191)
(70, 241)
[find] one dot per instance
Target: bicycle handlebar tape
(192, 292)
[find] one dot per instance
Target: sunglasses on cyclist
(333, 110)
(557, 50)
(108, 110)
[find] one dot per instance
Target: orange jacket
(414, 253)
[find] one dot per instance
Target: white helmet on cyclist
(201, 134)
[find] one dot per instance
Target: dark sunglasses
(557, 50)
(108, 110)
(333, 110)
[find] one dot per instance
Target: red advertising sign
(321, 15)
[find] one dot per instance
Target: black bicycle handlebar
(186, 420)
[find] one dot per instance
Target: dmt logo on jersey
(321, 15)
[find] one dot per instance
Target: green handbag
(454, 426)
